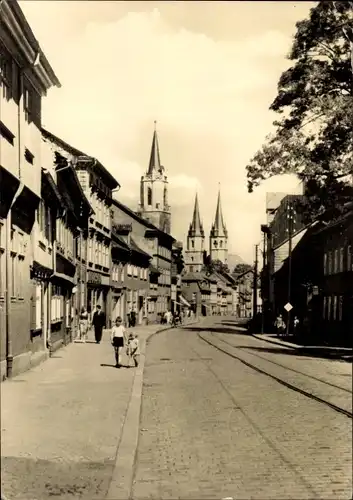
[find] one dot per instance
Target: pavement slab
(62, 421)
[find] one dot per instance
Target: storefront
(97, 293)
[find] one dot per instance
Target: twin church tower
(154, 207)
(195, 245)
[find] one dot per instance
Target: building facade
(26, 76)
(154, 205)
(158, 245)
(97, 185)
(195, 243)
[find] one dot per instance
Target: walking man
(98, 323)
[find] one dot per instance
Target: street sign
(288, 307)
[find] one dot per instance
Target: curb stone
(122, 479)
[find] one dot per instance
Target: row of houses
(309, 266)
(219, 293)
(66, 242)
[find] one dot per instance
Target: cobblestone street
(214, 428)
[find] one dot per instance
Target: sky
(207, 72)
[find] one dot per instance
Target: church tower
(219, 236)
(195, 242)
(154, 191)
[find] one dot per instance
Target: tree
(177, 258)
(314, 136)
(214, 266)
(242, 268)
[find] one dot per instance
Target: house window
(334, 314)
(6, 134)
(340, 307)
(149, 196)
(29, 156)
(336, 261)
(13, 276)
(341, 258)
(328, 317)
(2, 261)
(6, 74)
(329, 262)
(191, 269)
(38, 306)
(31, 104)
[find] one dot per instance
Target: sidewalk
(324, 351)
(63, 421)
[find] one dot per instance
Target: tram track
(270, 442)
(249, 351)
(290, 386)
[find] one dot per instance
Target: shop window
(334, 312)
(38, 306)
(325, 263)
(340, 308)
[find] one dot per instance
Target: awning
(184, 301)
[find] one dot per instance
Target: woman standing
(83, 325)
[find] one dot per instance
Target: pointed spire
(155, 162)
(196, 228)
(219, 228)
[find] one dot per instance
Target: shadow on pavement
(105, 364)
(293, 351)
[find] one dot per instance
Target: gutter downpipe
(9, 351)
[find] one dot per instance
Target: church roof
(196, 228)
(218, 227)
(155, 161)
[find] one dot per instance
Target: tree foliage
(178, 259)
(313, 137)
(242, 268)
(212, 266)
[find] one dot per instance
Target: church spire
(219, 227)
(155, 162)
(196, 228)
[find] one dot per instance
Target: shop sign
(94, 278)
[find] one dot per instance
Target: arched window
(192, 244)
(221, 244)
(165, 196)
(149, 196)
(192, 259)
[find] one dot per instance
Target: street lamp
(290, 218)
(266, 231)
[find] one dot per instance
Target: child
(133, 349)
(117, 339)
